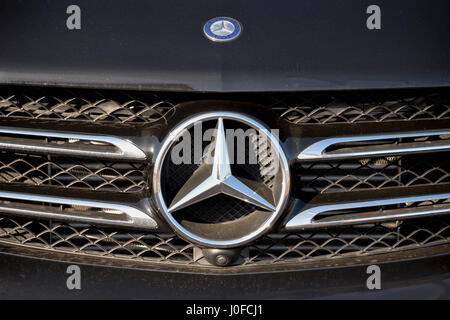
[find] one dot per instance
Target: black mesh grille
(297, 107)
(271, 249)
(83, 105)
(220, 208)
(376, 173)
(353, 107)
(71, 173)
(350, 241)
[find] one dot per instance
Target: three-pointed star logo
(222, 28)
(210, 180)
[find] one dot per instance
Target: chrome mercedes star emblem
(222, 29)
(220, 180)
(217, 198)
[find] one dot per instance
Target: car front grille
(273, 249)
(54, 167)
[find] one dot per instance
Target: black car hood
(291, 45)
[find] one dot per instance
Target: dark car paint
(33, 278)
(287, 45)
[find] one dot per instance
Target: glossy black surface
(288, 45)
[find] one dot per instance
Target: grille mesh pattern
(71, 173)
(271, 249)
(356, 240)
(356, 107)
(218, 209)
(84, 105)
(377, 173)
(299, 108)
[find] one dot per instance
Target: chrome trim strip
(317, 151)
(129, 216)
(388, 215)
(305, 218)
(119, 148)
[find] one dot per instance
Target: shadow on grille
(271, 249)
(71, 173)
(377, 173)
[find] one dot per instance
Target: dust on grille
(271, 249)
(63, 172)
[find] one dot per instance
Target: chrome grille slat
(406, 207)
(318, 150)
(94, 146)
(75, 209)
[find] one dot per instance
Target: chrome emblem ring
(220, 201)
